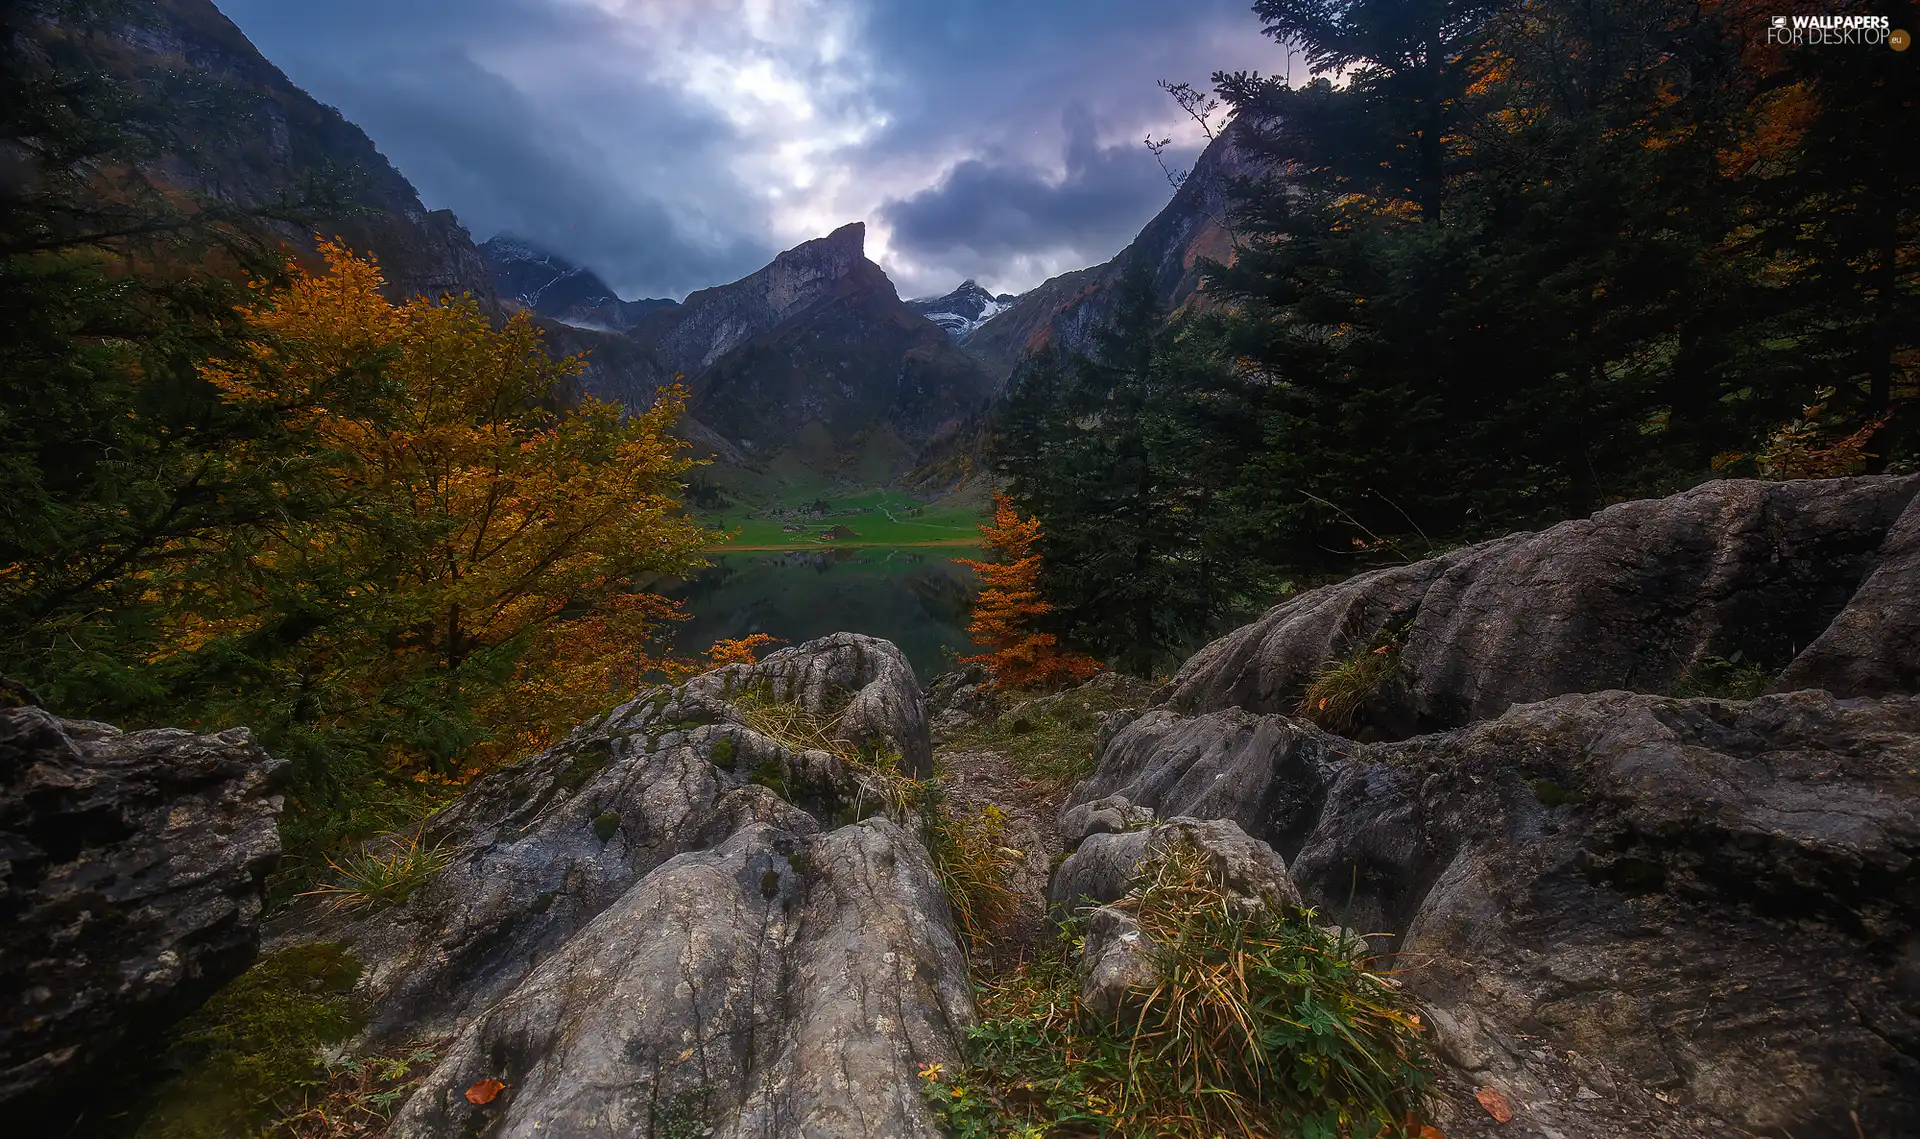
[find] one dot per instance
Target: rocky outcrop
(133, 868)
(1628, 914)
(684, 915)
(1638, 596)
(1873, 646)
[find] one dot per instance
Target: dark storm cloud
(673, 144)
(467, 136)
(985, 209)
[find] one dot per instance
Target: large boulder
(1638, 597)
(132, 878)
(688, 914)
(1627, 913)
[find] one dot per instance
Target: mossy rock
(1551, 794)
(591, 760)
(605, 825)
(723, 753)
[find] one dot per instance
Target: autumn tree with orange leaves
(459, 572)
(1018, 654)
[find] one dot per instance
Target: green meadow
(864, 518)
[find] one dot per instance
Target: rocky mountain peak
(797, 277)
(964, 309)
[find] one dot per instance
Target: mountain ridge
(545, 282)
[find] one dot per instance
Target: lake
(915, 597)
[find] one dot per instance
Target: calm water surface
(916, 598)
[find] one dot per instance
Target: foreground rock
(134, 867)
(683, 918)
(1628, 914)
(1821, 577)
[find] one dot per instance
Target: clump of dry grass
(371, 878)
(975, 867)
(1340, 692)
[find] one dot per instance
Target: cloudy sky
(675, 144)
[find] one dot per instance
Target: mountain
(815, 356)
(1065, 310)
(249, 138)
(964, 309)
(554, 287)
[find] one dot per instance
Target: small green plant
(1731, 677)
(1340, 692)
(1260, 1026)
(723, 754)
(369, 879)
(252, 1052)
(360, 1096)
(974, 864)
(685, 1117)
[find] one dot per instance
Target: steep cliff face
(1064, 311)
(550, 285)
(237, 131)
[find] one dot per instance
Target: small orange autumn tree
(460, 544)
(1018, 655)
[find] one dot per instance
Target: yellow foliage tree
(1018, 655)
(477, 539)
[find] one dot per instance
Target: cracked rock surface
(132, 878)
(672, 923)
(1629, 914)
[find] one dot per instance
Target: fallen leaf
(1430, 1132)
(1496, 1105)
(483, 1092)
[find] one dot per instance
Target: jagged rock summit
(554, 287)
(962, 311)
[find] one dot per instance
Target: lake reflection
(916, 598)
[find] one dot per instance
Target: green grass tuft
(1260, 1026)
(1339, 693)
(1730, 677)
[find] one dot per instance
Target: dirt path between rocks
(975, 777)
